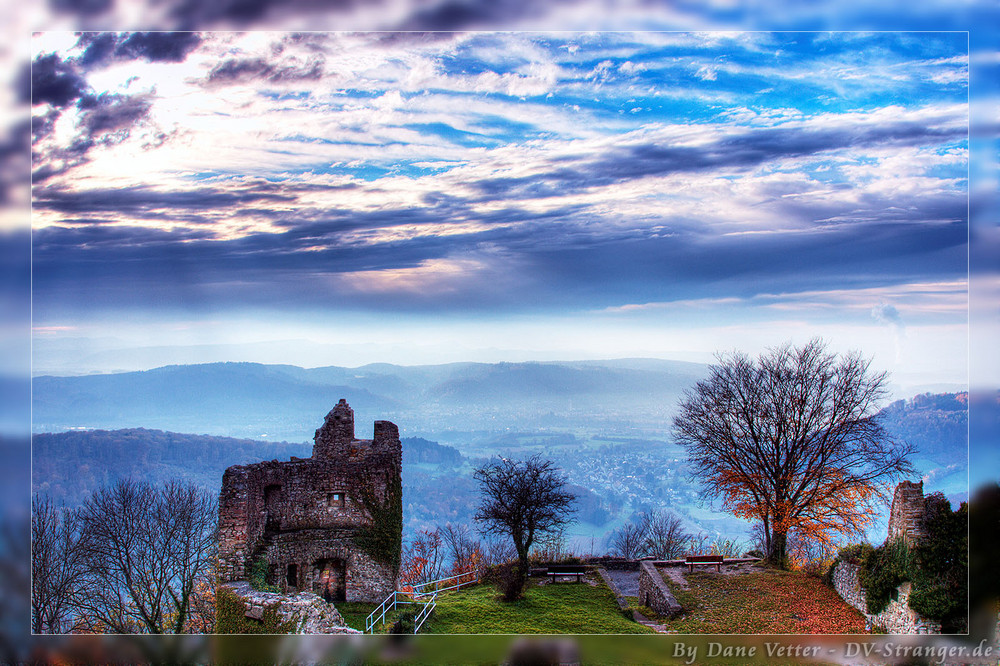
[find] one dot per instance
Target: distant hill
(69, 466)
(288, 402)
(938, 426)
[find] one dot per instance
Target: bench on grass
(692, 560)
(557, 570)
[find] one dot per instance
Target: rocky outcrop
(302, 613)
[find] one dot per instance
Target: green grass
(564, 608)
(355, 613)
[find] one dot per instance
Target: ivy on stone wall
(230, 617)
(937, 567)
(940, 581)
(382, 540)
(258, 576)
(884, 569)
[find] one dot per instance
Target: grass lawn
(564, 608)
(761, 601)
(355, 613)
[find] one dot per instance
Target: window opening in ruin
(272, 508)
(335, 499)
(292, 576)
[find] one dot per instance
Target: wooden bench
(565, 570)
(692, 560)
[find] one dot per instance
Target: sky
(345, 198)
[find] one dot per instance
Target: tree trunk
(776, 553)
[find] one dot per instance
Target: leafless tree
(666, 538)
(629, 540)
(523, 499)
(55, 566)
(792, 439)
(144, 551)
(461, 546)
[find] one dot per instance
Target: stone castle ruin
(907, 512)
(327, 524)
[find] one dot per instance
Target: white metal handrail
(420, 589)
(397, 598)
(424, 613)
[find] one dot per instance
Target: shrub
(885, 568)
(258, 577)
(231, 617)
(509, 580)
(403, 624)
(942, 558)
(855, 554)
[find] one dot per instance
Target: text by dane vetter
(700, 653)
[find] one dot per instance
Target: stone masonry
(896, 618)
(654, 593)
(905, 521)
(907, 512)
(300, 516)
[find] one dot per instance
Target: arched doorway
(330, 579)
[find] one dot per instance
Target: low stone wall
(896, 618)
(653, 592)
(618, 563)
(622, 602)
(307, 612)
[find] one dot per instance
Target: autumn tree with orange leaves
(792, 439)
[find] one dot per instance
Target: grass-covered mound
(564, 608)
(763, 600)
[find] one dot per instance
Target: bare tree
(523, 499)
(665, 535)
(55, 566)
(463, 550)
(629, 540)
(792, 439)
(145, 550)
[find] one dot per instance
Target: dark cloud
(86, 8)
(110, 112)
(745, 150)
(55, 82)
(99, 47)
(138, 200)
(197, 14)
(102, 48)
(472, 14)
(238, 70)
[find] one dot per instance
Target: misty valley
(606, 425)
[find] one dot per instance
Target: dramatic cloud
(55, 82)
(645, 176)
(246, 70)
(102, 48)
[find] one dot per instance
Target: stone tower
(301, 517)
(907, 512)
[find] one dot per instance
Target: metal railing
(444, 584)
(397, 598)
(424, 613)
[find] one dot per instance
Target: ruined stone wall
(301, 516)
(896, 618)
(907, 512)
(653, 591)
(309, 550)
(304, 612)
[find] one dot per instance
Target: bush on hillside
(940, 587)
(885, 569)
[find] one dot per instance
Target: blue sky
(430, 197)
